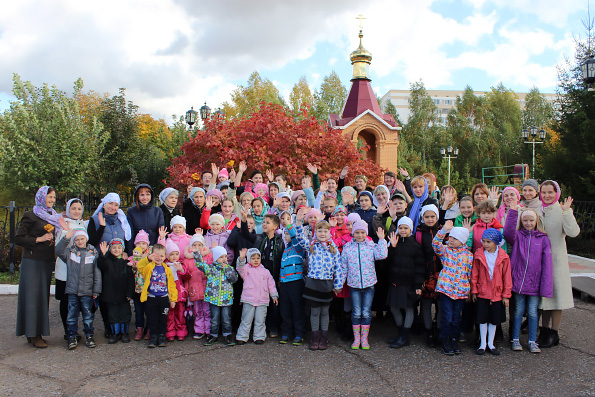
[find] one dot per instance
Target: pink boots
(356, 337)
(365, 333)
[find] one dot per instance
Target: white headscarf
(375, 200)
(115, 198)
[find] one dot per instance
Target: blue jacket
(144, 217)
(292, 262)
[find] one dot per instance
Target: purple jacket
(213, 240)
(531, 259)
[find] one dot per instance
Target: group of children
(397, 250)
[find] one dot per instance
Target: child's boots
(356, 337)
(365, 333)
(314, 340)
(139, 333)
(403, 339)
(323, 345)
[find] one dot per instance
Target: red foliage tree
(271, 139)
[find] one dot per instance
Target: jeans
(79, 304)
(361, 300)
(521, 302)
(450, 317)
(291, 305)
(220, 314)
(256, 314)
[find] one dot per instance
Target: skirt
(118, 313)
(401, 297)
(318, 290)
(493, 313)
(34, 297)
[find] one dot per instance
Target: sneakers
(455, 346)
(152, 342)
(447, 348)
(534, 347)
(516, 345)
(72, 342)
(211, 340)
(89, 342)
(297, 341)
(228, 341)
(198, 336)
(284, 340)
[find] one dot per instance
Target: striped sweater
(454, 277)
(292, 262)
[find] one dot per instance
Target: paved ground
(189, 368)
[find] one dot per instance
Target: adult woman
(35, 235)
(510, 199)
(192, 208)
(559, 222)
(169, 201)
(421, 197)
(144, 216)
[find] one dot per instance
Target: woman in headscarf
(169, 201)
(36, 235)
(421, 197)
(192, 208)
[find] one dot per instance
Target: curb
(10, 289)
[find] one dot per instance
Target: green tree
(538, 111)
(300, 95)
(506, 122)
(45, 141)
(247, 99)
(330, 97)
(422, 127)
(389, 108)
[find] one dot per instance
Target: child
(357, 261)
(467, 214)
(176, 321)
(83, 283)
(291, 288)
(406, 277)
(424, 235)
(217, 235)
(285, 219)
(118, 288)
(338, 227)
(196, 284)
(178, 234)
(259, 209)
(366, 210)
(388, 215)
(159, 292)
(141, 250)
(341, 305)
(230, 219)
(324, 277)
(453, 282)
(491, 285)
(312, 218)
(258, 286)
(531, 263)
(219, 293)
(486, 212)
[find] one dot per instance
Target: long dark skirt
(34, 298)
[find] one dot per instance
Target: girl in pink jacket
(258, 286)
(196, 284)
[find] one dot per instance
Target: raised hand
(394, 239)
(243, 253)
(382, 208)
(270, 175)
(567, 203)
(188, 190)
(299, 217)
(244, 215)
(306, 183)
(242, 167)
(494, 193)
(380, 233)
(312, 168)
(102, 218)
(399, 185)
(344, 172)
(198, 230)
(210, 202)
(162, 232)
(103, 247)
(232, 175)
(448, 225)
(467, 224)
(448, 196)
(404, 172)
(332, 221)
(178, 266)
(276, 202)
(324, 186)
(215, 171)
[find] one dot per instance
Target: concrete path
(189, 368)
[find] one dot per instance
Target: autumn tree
(330, 97)
(247, 99)
(270, 138)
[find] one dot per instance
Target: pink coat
(182, 241)
(258, 284)
(196, 283)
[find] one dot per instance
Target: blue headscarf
(416, 207)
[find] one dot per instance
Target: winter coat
(454, 277)
(500, 285)
(167, 215)
(181, 241)
(425, 235)
(196, 282)
(206, 214)
(386, 222)
(117, 279)
(559, 224)
(292, 260)
(219, 291)
(144, 217)
(30, 228)
(60, 272)
(531, 259)
(83, 276)
(405, 263)
(112, 229)
(278, 248)
(240, 238)
(357, 262)
(322, 263)
(213, 240)
(145, 268)
(258, 284)
(474, 241)
(191, 214)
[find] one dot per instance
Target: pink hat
(359, 225)
(261, 186)
(353, 217)
(296, 194)
(142, 237)
(224, 173)
(170, 247)
(315, 212)
(215, 192)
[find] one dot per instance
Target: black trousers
(156, 311)
(291, 304)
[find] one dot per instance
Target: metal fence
(10, 217)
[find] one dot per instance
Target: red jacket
(501, 284)
(206, 214)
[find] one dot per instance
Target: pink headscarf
(502, 209)
(558, 192)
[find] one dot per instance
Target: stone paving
(189, 368)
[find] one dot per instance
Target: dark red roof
(361, 98)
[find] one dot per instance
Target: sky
(174, 54)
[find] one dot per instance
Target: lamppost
(537, 137)
(205, 112)
(449, 153)
(191, 118)
(588, 68)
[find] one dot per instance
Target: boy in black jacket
(118, 288)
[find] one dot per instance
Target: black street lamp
(191, 117)
(588, 69)
(533, 136)
(205, 112)
(452, 154)
(219, 113)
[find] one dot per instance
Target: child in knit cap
(176, 321)
(453, 282)
(491, 287)
(218, 235)
(141, 250)
(196, 307)
(219, 293)
(258, 286)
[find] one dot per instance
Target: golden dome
(361, 54)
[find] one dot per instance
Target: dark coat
(406, 263)
(258, 241)
(432, 261)
(380, 220)
(238, 241)
(367, 216)
(29, 229)
(117, 278)
(144, 217)
(192, 215)
(168, 215)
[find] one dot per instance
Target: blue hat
(493, 235)
(367, 193)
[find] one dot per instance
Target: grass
(7, 278)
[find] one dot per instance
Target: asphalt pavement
(189, 368)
